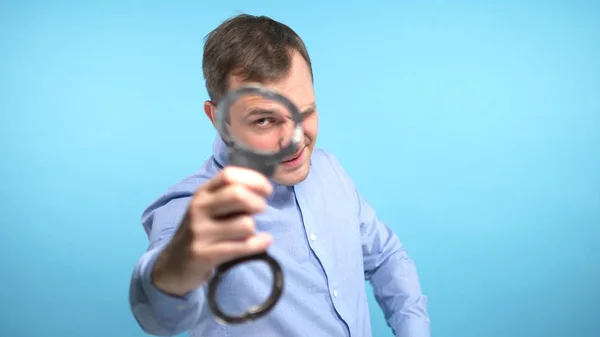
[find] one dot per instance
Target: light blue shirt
(328, 241)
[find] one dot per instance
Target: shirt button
(313, 237)
(335, 293)
(180, 307)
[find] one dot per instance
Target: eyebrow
(308, 110)
(262, 112)
(259, 111)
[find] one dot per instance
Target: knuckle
(196, 230)
(238, 193)
(228, 174)
(261, 204)
(197, 250)
(199, 202)
(247, 225)
(200, 252)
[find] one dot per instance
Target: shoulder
(325, 162)
(327, 169)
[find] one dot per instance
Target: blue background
(472, 127)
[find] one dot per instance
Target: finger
(228, 250)
(238, 175)
(235, 228)
(235, 199)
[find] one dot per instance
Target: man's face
(298, 88)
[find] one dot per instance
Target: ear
(211, 111)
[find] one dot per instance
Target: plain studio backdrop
(471, 126)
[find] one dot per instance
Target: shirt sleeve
(393, 276)
(156, 312)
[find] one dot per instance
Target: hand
(218, 227)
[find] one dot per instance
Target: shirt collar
(220, 151)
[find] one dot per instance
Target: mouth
(294, 157)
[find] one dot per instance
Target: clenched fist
(218, 227)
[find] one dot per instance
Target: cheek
(311, 126)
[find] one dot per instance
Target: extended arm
(156, 312)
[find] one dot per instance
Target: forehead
(297, 86)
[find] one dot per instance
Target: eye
(262, 122)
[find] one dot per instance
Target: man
(309, 217)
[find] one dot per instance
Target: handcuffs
(265, 163)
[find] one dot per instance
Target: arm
(387, 267)
(393, 276)
(156, 312)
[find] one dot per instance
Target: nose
(286, 133)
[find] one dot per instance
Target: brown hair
(257, 48)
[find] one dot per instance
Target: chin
(292, 177)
